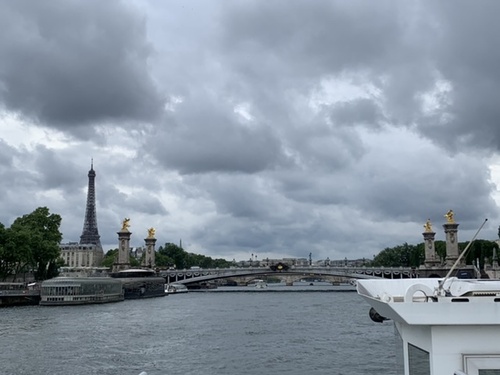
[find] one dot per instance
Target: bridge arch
(207, 275)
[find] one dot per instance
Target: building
(88, 252)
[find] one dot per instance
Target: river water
(269, 332)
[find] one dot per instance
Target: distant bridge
(290, 273)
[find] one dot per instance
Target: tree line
(172, 256)
(407, 255)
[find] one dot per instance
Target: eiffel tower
(90, 234)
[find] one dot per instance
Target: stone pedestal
(451, 229)
(123, 261)
(149, 259)
(431, 260)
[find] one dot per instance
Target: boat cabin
(444, 326)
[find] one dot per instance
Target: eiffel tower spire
(90, 234)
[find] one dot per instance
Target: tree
(33, 242)
(109, 258)
(413, 256)
(173, 255)
(112, 256)
(400, 256)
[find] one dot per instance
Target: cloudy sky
(276, 128)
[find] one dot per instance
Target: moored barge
(140, 283)
(80, 291)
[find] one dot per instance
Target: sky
(245, 128)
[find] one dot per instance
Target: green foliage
(112, 256)
(109, 258)
(31, 244)
(481, 250)
(400, 256)
(172, 255)
(414, 255)
(135, 263)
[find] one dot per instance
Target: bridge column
(431, 259)
(123, 261)
(149, 259)
(451, 229)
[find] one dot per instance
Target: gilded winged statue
(450, 216)
(151, 232)
(125, 224)
(428, 226)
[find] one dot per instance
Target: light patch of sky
(340, 89)
(119, 142)
(52, 195)
(494, 168)
(438, 97)
(172, 103)
(243, 110)
(21, 134)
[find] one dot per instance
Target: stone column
(149, 259)
(430, 250)
(431, 260)
(123, 261)
(451, 229)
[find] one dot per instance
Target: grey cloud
(348, 177)
(359, 111)
(68, 64)
(210, 138)
(56, 172)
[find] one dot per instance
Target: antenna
(441, 284)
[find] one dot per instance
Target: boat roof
(72, 281)
(434, 301)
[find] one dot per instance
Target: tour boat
(446, 326)
(175, 288)
(61, 291)
(260, 284)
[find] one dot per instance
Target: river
(261, 333)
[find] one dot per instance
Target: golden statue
(450, 216)
(151, 232)
(125, 224)
(428, 226)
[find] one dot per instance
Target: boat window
(478, 364)
(418, 361)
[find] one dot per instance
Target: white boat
(260, 284)
(446, 326)
(175, 288)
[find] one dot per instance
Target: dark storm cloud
(71, 63)
(465, 53)
(313, 37)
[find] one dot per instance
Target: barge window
(418, 361)
(489, 372)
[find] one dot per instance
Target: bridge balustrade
(200, 275)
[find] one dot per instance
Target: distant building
(87, 253)
(81, 255)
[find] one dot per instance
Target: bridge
(289, 273)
